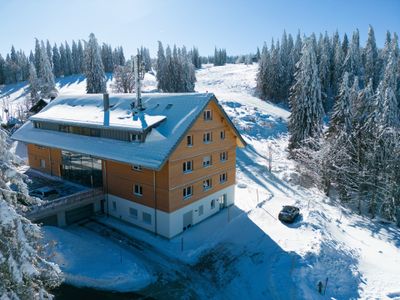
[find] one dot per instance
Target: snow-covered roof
(179, 112)
(88, 111)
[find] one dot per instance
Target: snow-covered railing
(92, 194)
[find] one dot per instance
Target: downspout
(51, 163)
(155, 202)
(105, 187)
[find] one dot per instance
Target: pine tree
(2, 70)
(341, 119)
(305, 121)
(68, 60)
(371, 59)
(94, 70)
(46, 76)
(33, 84)
(161, 67)
(352, 62)
(24, 272)
(56, 62)
(63, 60)
(37, 54)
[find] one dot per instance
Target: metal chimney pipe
(106, 102)
(137, 83)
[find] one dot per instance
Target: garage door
(78, 214)
(48, 221)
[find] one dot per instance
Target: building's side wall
(50, 156)
(121, 178)
(178, 179)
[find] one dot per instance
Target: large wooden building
(164, 168)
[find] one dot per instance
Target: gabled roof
(170, 115)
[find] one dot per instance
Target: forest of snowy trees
(357, 151)
(175, 70)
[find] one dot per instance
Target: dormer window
(137, 167)
(207, 115)
(135, 137)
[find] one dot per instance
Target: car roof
(44, 189)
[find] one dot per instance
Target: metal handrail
(66, 200)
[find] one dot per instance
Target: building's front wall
(179, 180)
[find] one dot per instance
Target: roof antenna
(139, 75)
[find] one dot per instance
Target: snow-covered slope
(245, 252)
(360, 258)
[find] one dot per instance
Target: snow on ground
(244, 251)
(88, 260)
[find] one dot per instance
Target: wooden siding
(195, 153)
(121, 178)
(51, 156)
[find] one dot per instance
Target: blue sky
(237, 25)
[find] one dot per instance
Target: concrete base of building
(169, 224)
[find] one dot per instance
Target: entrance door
(187, 219)
(222, 201)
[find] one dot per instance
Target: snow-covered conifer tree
(56, 62)
(46, 76)
(371, 59)
(33, 84)
(24, 272)
(94, 70)
(305, 121)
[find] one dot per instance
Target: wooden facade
(163, 189)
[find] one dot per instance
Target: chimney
(106, 101)
(138, 87)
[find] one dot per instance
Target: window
(63, 128)
(187, 192)
(42, 163)
(189, 140)
(146, 218)
(133, 213)
(138, 190)
(207, 161)
(201, 210)
(223, 156)
(212, 204)
(137, 167)
(135, 137)
(187, 166)
(223, 177)
(207, 184)
(207, 114)
(37, 125)
(41, 147)
(114, 205)
(207, 137)
(222, 134)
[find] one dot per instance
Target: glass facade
(82, 169)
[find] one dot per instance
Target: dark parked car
(45, 193)
(289, 214)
